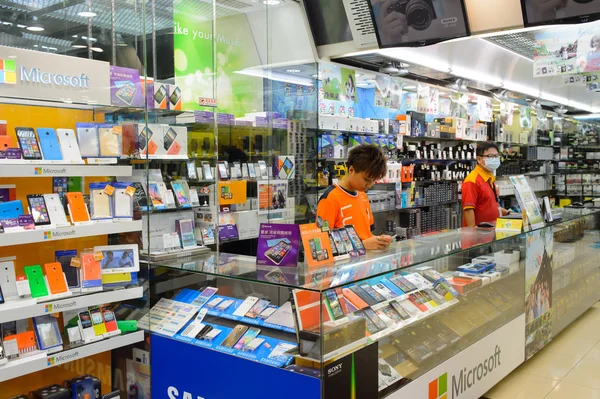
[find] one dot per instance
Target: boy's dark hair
(368, 158)
(483, 147)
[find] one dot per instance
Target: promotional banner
(331, 81)
(525, 116)
(125, 87)
(278, 245)
(538, 290)
(272, 194)
(423, 93)
(46, 76)
(348, 89)
(383, 85)
(317, 247)
(174, 378)
(484, 105)
(507, 113)
(555, 53)
(232, 192)
(433, 106)
(395, 93)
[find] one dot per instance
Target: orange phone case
(355, 299)
(77, 209)
(175, 148)
(91, 269)
(152, 147)
(6, 142)
(25, 341)
(55, 277)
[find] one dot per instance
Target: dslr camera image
(419, 13)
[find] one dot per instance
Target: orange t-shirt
(343, 208)
(478, 193)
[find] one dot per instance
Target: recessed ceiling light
(97, 49)
(87, 14)
(35, 26)
(271, 2)
(21, 26)
(293, 70)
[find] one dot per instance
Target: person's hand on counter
(378, 242)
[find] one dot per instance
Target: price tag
(117, 130)
(130, 191)
(109, 189)
(98, 256)
(75, 262)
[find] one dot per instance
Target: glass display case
(427, 306)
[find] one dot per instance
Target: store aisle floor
(568, 368)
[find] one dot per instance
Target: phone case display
(101, 202)
(109, 137)
(122, 200)
(78, 210)
(51, 149)
(89, 142)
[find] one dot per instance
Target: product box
(96, 382)
(157, 95)
(354, 141)
(340, 146)
(247, 222)
(328, 122)
(284, 167)
(52, 392)
(174, 93)
(355, 124)
(417, 124)
(175, 140)
(151, 140)
(372, 126)
(326, 146)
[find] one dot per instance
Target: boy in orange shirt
(346, 203)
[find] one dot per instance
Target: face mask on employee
(492, 163)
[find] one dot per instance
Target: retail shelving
(18, 310)
(19, 168)
(69, 232)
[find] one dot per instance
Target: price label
(117, 130)
(130, 191)
(109, 189)
(75, 262)
(98, 256)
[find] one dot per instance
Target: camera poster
(348, 89)
(538, 290)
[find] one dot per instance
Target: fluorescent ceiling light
(97, 49)
(588, 116)
(277, 76)
(293, 70)
(21, 26)
(87, 14)
(410, 87)
(271, 2)
(35, 26)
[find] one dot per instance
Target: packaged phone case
(110, 140)
(47, 332)
(87, 136)
(122, 200)
(91, 271)
(101, 207)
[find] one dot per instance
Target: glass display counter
(457, 310)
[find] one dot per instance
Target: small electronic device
(170, 141)
(245, 306)
(222, 167)
(109, 319)
(332, 303)
(49, 144)
(38, 209)
(87, 328)
(8, 281)
(356, 241)
(29, 143)
(11, 209)
(56, 210)
(250, 335)
(55, 278)
(97, 321)
(258, 308)
(206, 294)
(5, 143)
(37, 284)
(77, 208)
(234, 336)
(1, 301)
(207, 171)
(485, 225)
(251, 171)
(225, 304)
(68, 145)
(186, 231)
(191, 170)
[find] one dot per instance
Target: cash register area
(568, 368)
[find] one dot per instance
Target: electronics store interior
(341, 199)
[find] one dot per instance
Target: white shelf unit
(70, 232)
(18, 310)
(23, 168)
(20, 367)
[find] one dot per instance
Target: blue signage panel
(184, 371)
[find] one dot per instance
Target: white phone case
(89, 144)
(245, 306)
(100, 205)
(8, 281)
(69, 145)
(123, 203)
(110, 143)
(56, 211)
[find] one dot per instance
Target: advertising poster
(272, 194)
(125, 87)
(396, 93)
(555, 53)
(506, 113)
(538, 290)
(354, 376)
(331, 81)
(232, 192)
(409, 101)
(237, 93)
(528, 202)
(138, 375)
(423, 93)
(348, 88)
(484, 105)
(278, 245)
(525, 117)
(383, 85)
(539, 13)
(433, 106)
(582, 78)
(317, 247)
(588, 55)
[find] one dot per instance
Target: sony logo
(451, 20)
(335, 369)
(174, 394)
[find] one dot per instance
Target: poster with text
(484, 105)
(423, 93)
(396, 93)
(525, 117)
(538, 290)
(348, 88)
(383, 84)
(278, 245)
(331, 81)
(555, 52)
(506, 113)
(433, 106)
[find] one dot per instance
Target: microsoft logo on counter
(438, 388)
(38, 171)
(48, 309)
(47, 235)
(50, 361)
(8, 72)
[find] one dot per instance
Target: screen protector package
(47, 332)
(122, 200)
(110, 140)
(100, 201)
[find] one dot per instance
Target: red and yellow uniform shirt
(479, 193)
(343, 208)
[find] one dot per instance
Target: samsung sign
(35, 75)
(44, 76)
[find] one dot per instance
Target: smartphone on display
(11, 209)
(87, 329)
(1, 302)
(55, 208)
(37, 283)
(207, 170)
(55, 278)
(8, 281)
(333, 305)
(29, 143)
(371, 291)
(205, 296)
(222, 166)
(251, 171)
(279, 251)
(245, 306)
(77, 208)
(258, 308)
(38, 209)
(341, 248)
(49, 144)
(356, 241)
(346, 240)
(191, 170)
(248, 337)
(109, 319)
(234, 336)
(97, 321)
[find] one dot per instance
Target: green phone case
(37, 285)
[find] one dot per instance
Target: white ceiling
(480, 60)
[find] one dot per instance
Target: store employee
(479, 193)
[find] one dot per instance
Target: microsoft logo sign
(39, 171)
(50, 361)
(48, 309)
(8, 72)
(47, 235)
(438, 388)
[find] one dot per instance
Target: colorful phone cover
(110, 143)
(35, 277)
(6, 142)
(11, 209)
(8, 281)
(97, 321)
(68, 145)
(77, 208)
(55, 277)
(49, 144)
(89, 144)
(354, 299)
(56, 210)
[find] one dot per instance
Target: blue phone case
(50, 145)
(11, 210)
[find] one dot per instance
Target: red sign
(207, 102)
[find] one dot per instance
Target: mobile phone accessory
(49, 144)
(37, 284)
(77, 208)
(68, 145)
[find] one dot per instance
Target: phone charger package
(101, 207)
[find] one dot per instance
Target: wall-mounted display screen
(401, 23)
(546, 12)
